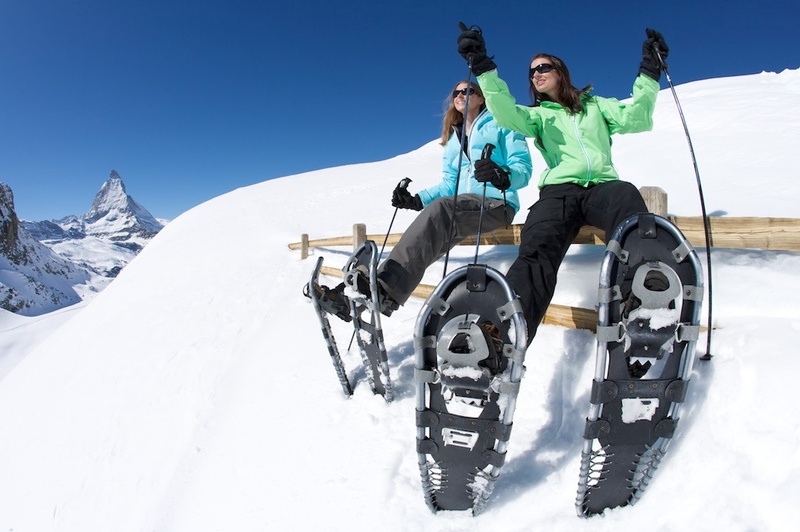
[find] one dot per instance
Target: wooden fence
(743, 233)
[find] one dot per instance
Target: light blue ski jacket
(510, 153)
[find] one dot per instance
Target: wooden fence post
(304, 246)
(359, 235)
(656, 200)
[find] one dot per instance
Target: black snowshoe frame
(650, 296)
(467, 375)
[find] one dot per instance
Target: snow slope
(195, 392)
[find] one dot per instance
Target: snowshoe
(318, 294)
(470, 340)
(650, 295)
(356, 299)
(365, 309)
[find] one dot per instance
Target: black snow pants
(553, 223)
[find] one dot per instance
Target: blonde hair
(452, 117)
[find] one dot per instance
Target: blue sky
(189, 100)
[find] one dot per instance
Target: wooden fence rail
(741, 233)
(744, 233)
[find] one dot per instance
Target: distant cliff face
(33, 278)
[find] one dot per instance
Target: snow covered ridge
(51, 264)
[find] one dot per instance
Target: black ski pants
(553, 223)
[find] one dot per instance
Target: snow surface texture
(195, 393)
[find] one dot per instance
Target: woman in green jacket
(572, 129)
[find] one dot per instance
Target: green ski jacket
(576, 147)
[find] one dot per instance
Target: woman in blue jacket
(427, 239)
(572, 129)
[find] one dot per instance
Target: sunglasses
(463, 92)
(541, 69)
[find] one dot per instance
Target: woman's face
(460, 99)
(545, 82)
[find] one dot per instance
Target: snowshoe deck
(470, 341)
(650, 294)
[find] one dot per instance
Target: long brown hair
(452, 116)
(568, 95)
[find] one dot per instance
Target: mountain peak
(113, 178)
(113, 211)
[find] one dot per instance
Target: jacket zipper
(470, 138)
(583, 149)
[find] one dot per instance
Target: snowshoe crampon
(650, 295)
(470, 340)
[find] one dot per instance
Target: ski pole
(404, 185)
(485, 154)
(706, 223)
(470, 59)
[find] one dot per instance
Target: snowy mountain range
(51, 264)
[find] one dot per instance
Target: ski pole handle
(657, 50)
(487, 151)
(404, 185)
(470, 56)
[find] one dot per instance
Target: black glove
(472, 46)
(402, 199)
(651, 64)
(486, 170)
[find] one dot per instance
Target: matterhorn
(107, 237)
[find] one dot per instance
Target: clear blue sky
(190, 99)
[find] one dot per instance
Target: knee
(629, 198)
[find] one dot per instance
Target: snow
(195, 392)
